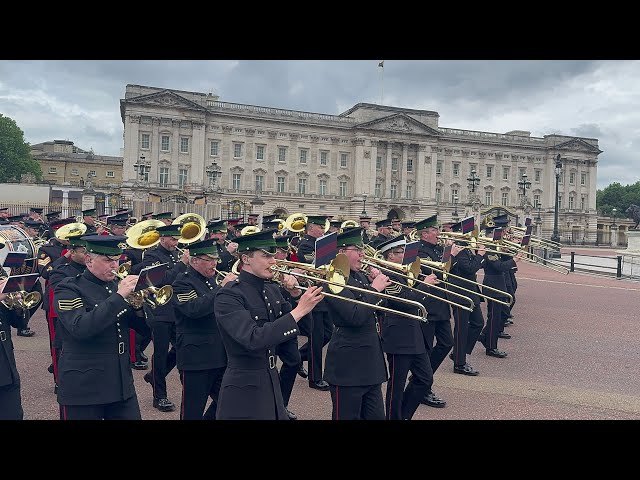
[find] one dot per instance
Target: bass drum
(16, 240)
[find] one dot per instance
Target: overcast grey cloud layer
(79, 100)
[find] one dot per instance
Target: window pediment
(344, 178)
(259, 171)
(302, 174)
(237, 169)
(323, 176)
(282, 173)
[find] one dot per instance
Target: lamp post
(555, 237)
(364, 204)
(614, 211)
(474, 181)
(524, 184)
(213, 171)
(539, 218)
(142, 168)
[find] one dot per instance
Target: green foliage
(617, 196)
(15, 153)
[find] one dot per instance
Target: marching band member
(201, 357)
(163, 324)
(218, 231)
(95, 379)
(510, 282)
(365, 223)
(69, 265)
(89, 218)
(252, 219)
(402, 341)
(354, 367)
(4, 213)
(384, 232)
(288, 351)
(166, 217)
(407, 228)
(467, 325)
(321, 324)
(253, 319)
(10, 401)
(439, 314)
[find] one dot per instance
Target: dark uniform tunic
(320, 328)
(253, 319)
(354, 366)
(439, 314)
(495, 269)
(467, 325)
(10, 402)
(378, 239)
(403, 343)
(226, 259)
(94, 365)
(62, 268)
(201, 357)
(163, 327)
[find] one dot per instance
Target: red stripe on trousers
(132, 345)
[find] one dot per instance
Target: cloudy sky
(79, 100)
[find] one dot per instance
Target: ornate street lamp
(455, 206)
(614, 211)
(474, 181)
(142, 168)
(524, 184)
(555, 237)
(213, 171)
(364, 204)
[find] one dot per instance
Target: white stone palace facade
(390, 161)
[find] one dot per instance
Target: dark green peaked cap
(108, 245)
(204, 247)
(428, 222)
(262, 240)
(350, 237)
(169, 230)
(317, 219)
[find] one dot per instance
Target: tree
(15, 153)
(617, 196)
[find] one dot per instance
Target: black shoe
(164, 404)
(55, 388)
(302, 372)
(143, 357)
(50, 368)
(319, 385)
(139, 366)
(494, 352)
(148, 378)
(466, 370)
(504, 335)
(26, 332)
(433, 401)
(508, 322)
(291, 415)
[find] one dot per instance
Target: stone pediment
(399, 123)
(580, 145)
(166, 98)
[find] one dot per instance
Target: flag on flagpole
(381, 64)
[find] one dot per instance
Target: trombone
(445, 267)
(544, 263)
(338, 275)
(411, 272)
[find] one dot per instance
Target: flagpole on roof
(381, 65)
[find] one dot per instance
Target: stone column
(402, 171)
(131, 139)
(65, 203)
(370, 189)
(388, 175)
(198, 154)
(360, 168)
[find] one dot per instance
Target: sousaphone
(144, 234)
(192, 227)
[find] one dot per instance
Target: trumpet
(411, 272)
(337, 274)
(21, 300)
(152, 296)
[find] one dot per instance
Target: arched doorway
(395, 213)
(281, 213)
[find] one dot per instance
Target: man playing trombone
(355, 367)
(402, 341)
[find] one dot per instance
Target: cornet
(153, 296)
(21, 300)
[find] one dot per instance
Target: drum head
(16, 240)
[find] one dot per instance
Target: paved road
(573, 355)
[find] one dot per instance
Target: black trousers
(164, 359)
(290, 357)
(441, 330)
(142, 342)
(319, 335)
(197, 387)
(125, 410)
(357, 403)
(10, 402)
(401, 403)
(494, 324)
(476, 323)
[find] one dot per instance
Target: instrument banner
(410, 253)
(20, 283)
(326, 249)
(151, 277)
(467, 225)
